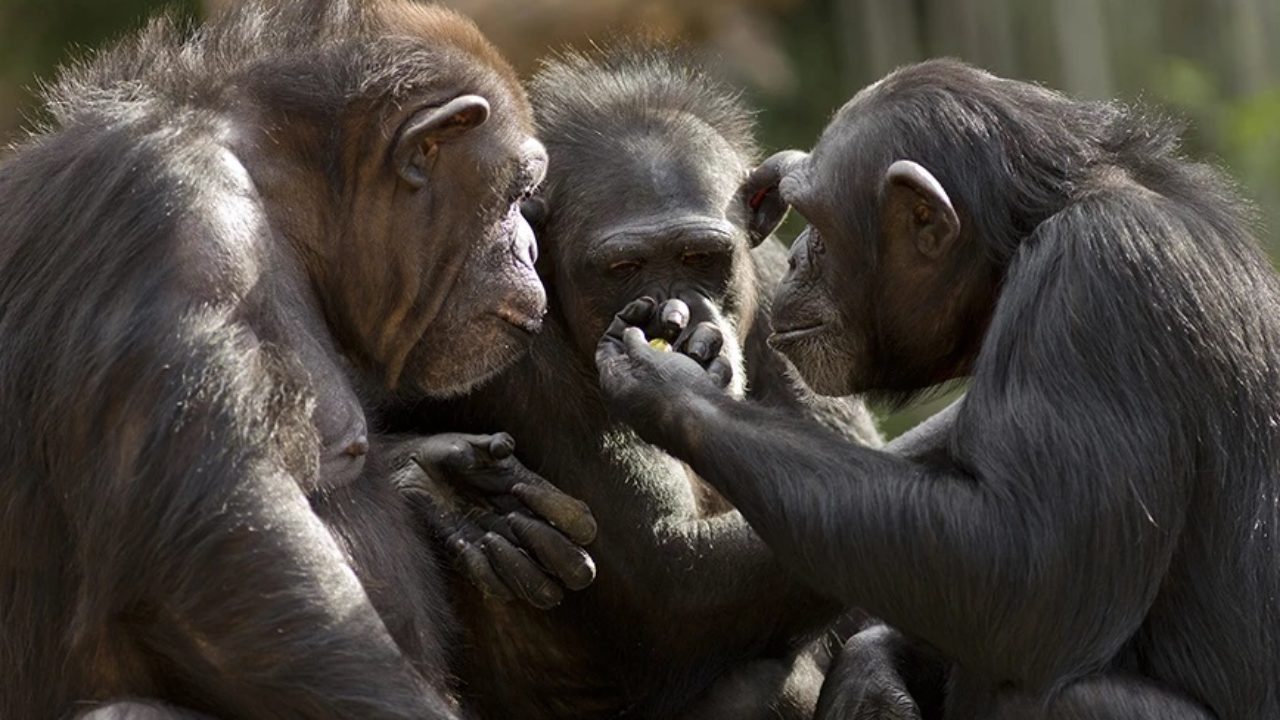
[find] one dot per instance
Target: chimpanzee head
(423, 138)
(917, 195)
(642, 195)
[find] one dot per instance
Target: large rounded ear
(759, 196)
(917, 203)
(422, 133)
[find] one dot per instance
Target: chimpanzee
(646, 156)
(217, 240)
(1097, 532)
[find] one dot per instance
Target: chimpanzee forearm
(660, 554)
(250, 604)
(684, 563)
(849, 519)
(722, 568)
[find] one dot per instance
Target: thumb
(633, 340)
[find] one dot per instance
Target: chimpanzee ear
(915, 198)
(759, 196)
(421, 135)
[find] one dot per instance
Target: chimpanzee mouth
(785, 336)
(528, 323)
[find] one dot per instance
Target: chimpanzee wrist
(686, 427)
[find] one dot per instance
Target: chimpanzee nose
(358, 447)
(525, 245)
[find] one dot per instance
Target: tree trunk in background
(1134, 31)
(879, 35)
(980, 31)
(1082, 48)
(1246, 37)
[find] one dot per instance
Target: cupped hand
(647, 386)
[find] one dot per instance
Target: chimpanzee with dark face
(217, 241)
(1095, 533)
(642, 196)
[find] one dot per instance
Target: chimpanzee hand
(865, 681)
(512, 532)
(646, 386)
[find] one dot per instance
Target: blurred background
(1213, 63)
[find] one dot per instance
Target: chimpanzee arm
(190, 520)
(677, 560)
(1062, 509)
(881, 673)
(680, 561)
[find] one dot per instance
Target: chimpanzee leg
(881, 674)
(1105, 697)
(763, 689)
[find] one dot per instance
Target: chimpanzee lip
(786, 335)
(528, 323)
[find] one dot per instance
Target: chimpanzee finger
(634, 342)
(519, 571)
(610, 346)
(476, 568)
(704, 343)
(720, 371)
(761, 198)
(638, 311)
(669, 321)
(501, 446)
(455, 452)
(567, 561)
(568, 514)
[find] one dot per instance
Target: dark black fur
(163, 346)
(1095, 534)
(686, 594)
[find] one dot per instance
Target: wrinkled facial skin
(438, 271)
(497, 302)
(885, 294)
(656, 220)
(817, 321)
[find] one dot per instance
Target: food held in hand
(660, 345)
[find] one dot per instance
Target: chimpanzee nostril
(523, 243)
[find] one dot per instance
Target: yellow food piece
(660, 345)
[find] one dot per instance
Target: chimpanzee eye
(696, 259)
(624, 268)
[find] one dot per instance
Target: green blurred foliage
(1242, 132)
(37, 35)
